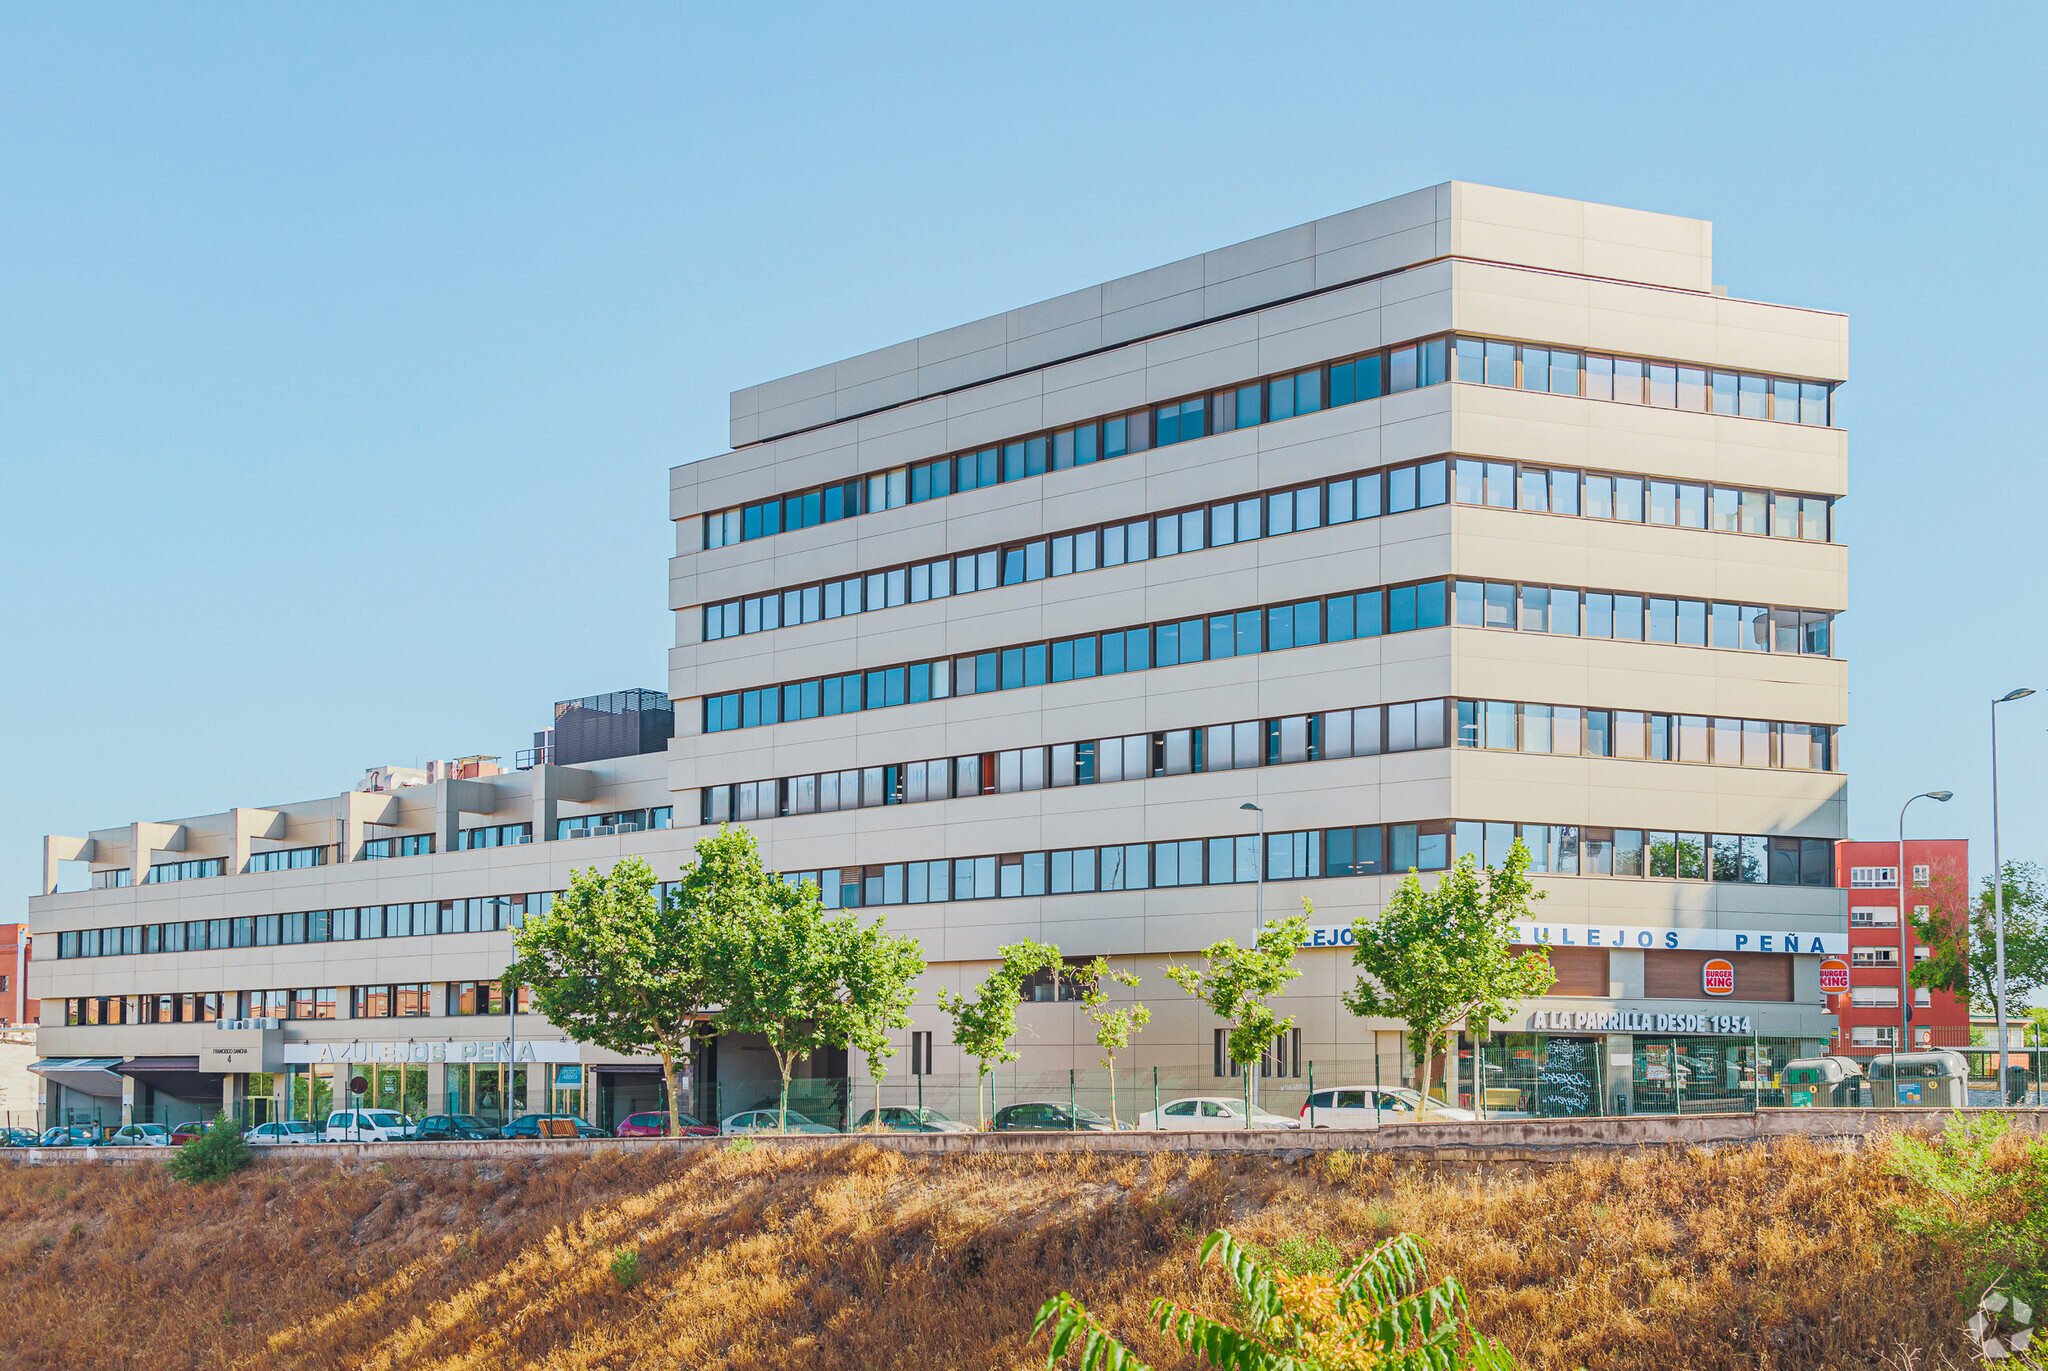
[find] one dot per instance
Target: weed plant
(214, 1155)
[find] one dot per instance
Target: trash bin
(1935, 1079)
(1822, 1082)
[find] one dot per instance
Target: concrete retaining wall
(1503, 1140)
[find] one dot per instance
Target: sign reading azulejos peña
(1632, 937)
(392, 1054)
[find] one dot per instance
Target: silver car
(283, 1131)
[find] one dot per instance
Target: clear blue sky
(344, 351)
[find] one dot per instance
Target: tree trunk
(788, 1066)
(668, 1080)
(1424, 1064)
(980, 1106)
(877, 1079)
(1110, 1067)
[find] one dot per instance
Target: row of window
(1645, 736)
(1565, 730)
(496, 835)
(121, 877)
(290, 859)
(1506, 485)
(483, 914)
(625, 821)
(405, 845)
(1272, 628)
(1402, 368)
(1372, 850)
(1427, 362)
(1363, 732)
(407, 1001)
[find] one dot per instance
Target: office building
(1467, 516)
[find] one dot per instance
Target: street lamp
(1258, 926)
(1905, 960)
(1998, 885)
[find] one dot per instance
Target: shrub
(626, 1268)
(1987, 1193)
(214, 1155)
(1376, 1315)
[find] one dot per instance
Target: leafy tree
(1114, 1028)
(214, 1155)
(1238, 984)
(876, 973)
(1379, 1314)
(615, 967)
(1984, 1191)
(1963, 941)
(779, 965)
(983, 1026)
(1439, 958)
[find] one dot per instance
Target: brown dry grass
(858, 1257)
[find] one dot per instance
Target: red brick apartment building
(1938, 872)
(17, 1010)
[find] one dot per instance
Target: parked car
(654, 1124)
(140, 1135)
(186, 1132)
(368, 1125)
(1369, 1108)
(1211, 1112)
(528, 1126)
(1051, 1118)
(770, 1121)
(283, 1131)
(19, 1137)
(72, 1135)
(453, 1128)
(911, 1119)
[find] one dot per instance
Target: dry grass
(858, 1257)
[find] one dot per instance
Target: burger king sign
(1834, 976)
(1717, 976)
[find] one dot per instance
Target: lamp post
(1997, 887)
(1905, 960)
(1258, 926)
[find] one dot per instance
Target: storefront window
(1708, 1075)
(1535, 1075)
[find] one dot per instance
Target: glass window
(1751, 397)
(1692, 389)
(1535, 369)
(1628, 380)
(1724, 392)
(1500, 364)
(1813, 403)
(1785, 401)
(1663, 386)
(1599, 497)
(1564, 492)
(1599, 377)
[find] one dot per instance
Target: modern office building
(1868, 1013)
(1466, 516)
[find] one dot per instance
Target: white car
(770, 1121)
(140, 1135)
(368, 1125)
(283, 1131)
(1368, 1108)
(1205, 1112)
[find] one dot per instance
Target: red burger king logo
(1717, 977)
(1834, 976)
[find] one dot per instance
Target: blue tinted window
(1169, 645)
(942, 479)
(984, 673)
(1280, 398)
(1084, 444)
(831, 684)
(1084, 658)
(920, 683)
(1034, 664)
(1402, 604)
(1013, 668)
(985, 465)
(1280, 627)
(920, 484)
(1138, 649)
(1063, 660)
(750, 709)
(1013, 462)
(1114, 440)
(1342, 625)
(967, 470)
(1308, 391)
(1034, 456)
(1112, 654)
(750, 522)
(1429, 605)
(1222, 637)
(813, 706)
(1307, 623)
(1249, 409)
(1371, 617)
(1248, 632)
(819, 501)
(894, 682)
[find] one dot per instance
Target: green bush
(1986, 1193)
(214, 1155)
(626, 1268)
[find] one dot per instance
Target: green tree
(876, 974)
(1114, 1028)
(779, 965)
(214, 1155)
(613, 966)
(984, 1025)
(1962, 940)
(1435, 959)
(1239, 982)
(1379, 1314)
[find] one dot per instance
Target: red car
(186, 1132)
(655, 1125)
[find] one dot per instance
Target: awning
(178, 1076)
(86, 1075)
